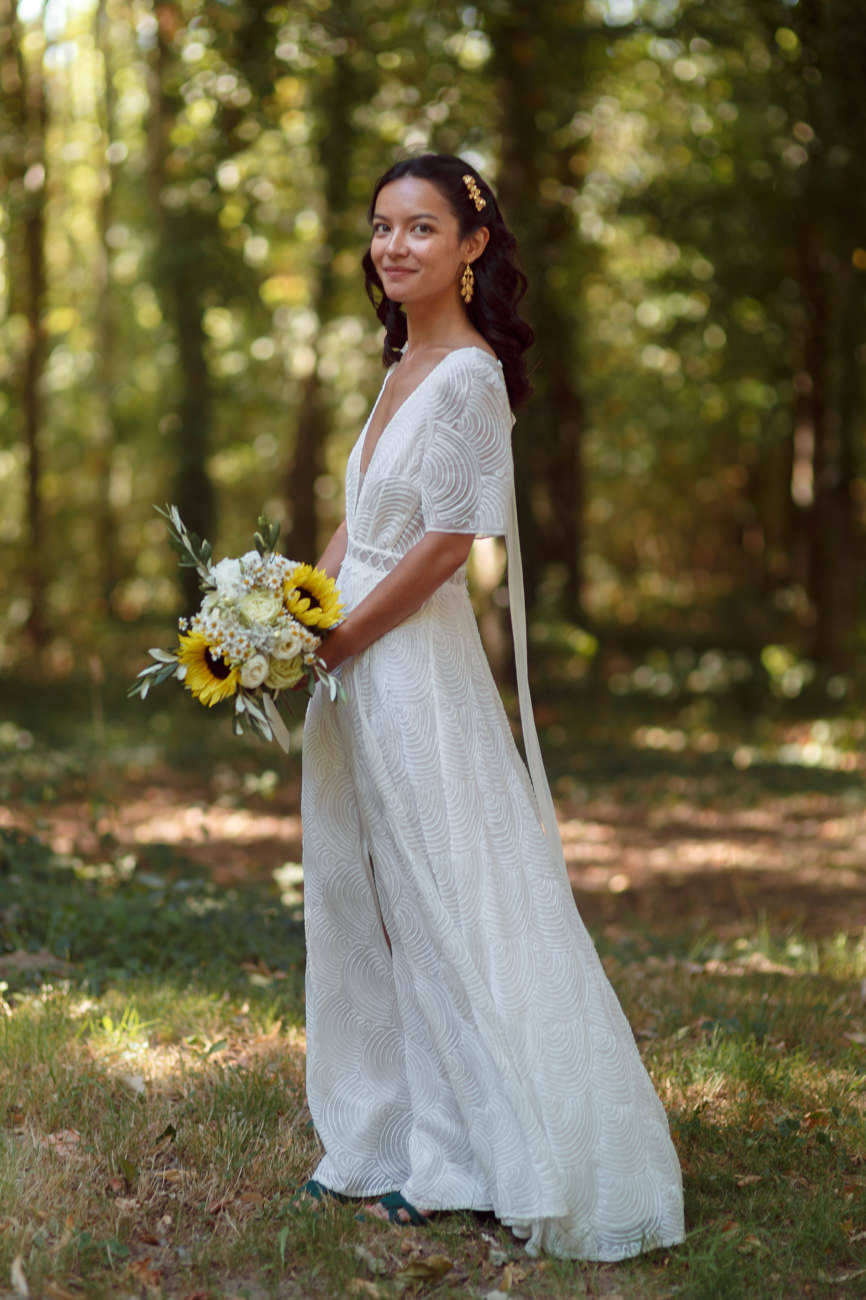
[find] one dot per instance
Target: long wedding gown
(483, 1061)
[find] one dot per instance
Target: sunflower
(208, 676)
(312, 597)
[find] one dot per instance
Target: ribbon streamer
(517, 608)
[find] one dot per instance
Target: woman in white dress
(464, 1047)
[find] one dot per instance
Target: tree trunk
(832, 223)
(547, 449)
(335, 98)
(836, 546)
(178, 269)
(105, 522)
(26, 107)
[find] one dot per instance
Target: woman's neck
(445, 327)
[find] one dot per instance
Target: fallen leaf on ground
(360, 1286)
(165, 1138)
(54, 1291)
(374, 1263)
(430, 1269)
(816, 1119)
(751, 1242)
(64, 1142)
(66, 1235)
(19, 1281)
(746, 1180)
(141, 1269)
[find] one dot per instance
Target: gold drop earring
(467, 283)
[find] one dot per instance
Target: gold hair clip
(474, 192)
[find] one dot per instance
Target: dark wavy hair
(499, 282)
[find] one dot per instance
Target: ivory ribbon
(517, 609)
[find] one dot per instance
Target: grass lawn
(153, 1125)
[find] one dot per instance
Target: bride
(464, 1047)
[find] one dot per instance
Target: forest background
(183, 191)
(182, 314)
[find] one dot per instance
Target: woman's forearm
(401, 592)
(334, 552)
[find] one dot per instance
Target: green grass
(153, 1125)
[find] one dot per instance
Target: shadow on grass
(108, 922)
(182, 1173)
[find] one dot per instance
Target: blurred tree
(338, 81)
(24, 123)
(195, 263)
(823, 48)
(182, 312)
(545, 63)
(768, 192)
(532, 47)
(184, 263)
(106, 313)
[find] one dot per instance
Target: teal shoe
(394, 1202)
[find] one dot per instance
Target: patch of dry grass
(153, 1128)
(152, 1138)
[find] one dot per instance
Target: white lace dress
(483, 1061)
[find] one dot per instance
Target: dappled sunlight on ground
(794, 859)
(216, 831)
(152, 1065)
(173, 1125)
(798, 859)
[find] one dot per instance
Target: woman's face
(416, 246)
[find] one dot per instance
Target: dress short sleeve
(466, 473)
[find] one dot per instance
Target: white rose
(254, 672)
(260, 607)
(229, 579)
(287, 645)
(285, 673)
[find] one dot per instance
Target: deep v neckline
(362, 473)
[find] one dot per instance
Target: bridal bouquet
(257, 632)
